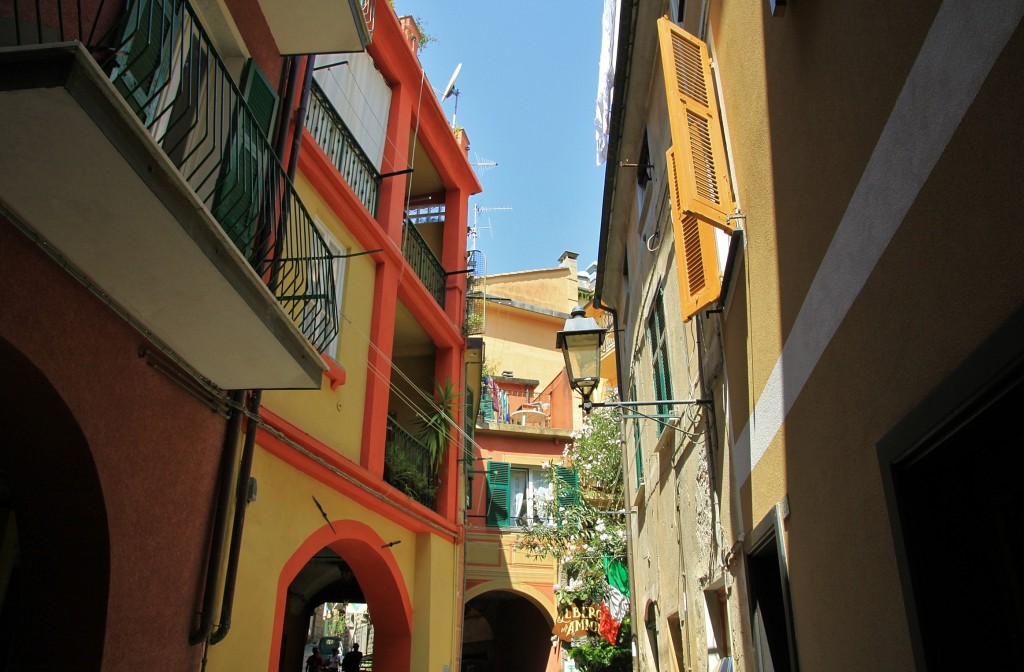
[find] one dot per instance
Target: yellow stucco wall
(281, 519)
(336, 417)
(522, 342)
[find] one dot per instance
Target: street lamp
(580, 342)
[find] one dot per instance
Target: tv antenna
(474, 230)
(450, 90)
(483, 164)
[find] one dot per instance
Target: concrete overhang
(80, 173)
(316, 26)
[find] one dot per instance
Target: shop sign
(577, 620)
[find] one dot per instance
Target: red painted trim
(335, 372)
(324, 179)
(395, 508)
(399, 65)
(379, 577)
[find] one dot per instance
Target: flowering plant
(580, 534)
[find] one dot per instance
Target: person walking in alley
(352, 660)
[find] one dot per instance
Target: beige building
(809, 239)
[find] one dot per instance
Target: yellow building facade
(797, 242)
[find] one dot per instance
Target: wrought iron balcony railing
(340, 146)
(423, 261)
(407, 466)
(161, 60)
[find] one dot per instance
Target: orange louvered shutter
(696, 252)
(697, 136)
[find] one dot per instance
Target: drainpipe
(245, 466)
(203, 632)
(241, 504)
(229, 456)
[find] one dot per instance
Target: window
(768, 583)
(698, 180)
(638, 451)
(521, 495)
(659, 355)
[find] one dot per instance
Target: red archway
(380, 579)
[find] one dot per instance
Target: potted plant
(435, 433)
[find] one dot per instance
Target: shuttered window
(499, 477)
(567, 486)
(697, 176)
(247, 159)
(656, 336)
(144, 60)
(637, 445)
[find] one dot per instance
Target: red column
(391, 206)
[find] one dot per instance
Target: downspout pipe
(241, 504)
(255, 400)
(229, 455)
(203, 632)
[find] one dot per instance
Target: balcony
(407, 466)
(146, 170)
(419, 254)
(340, 146)
(319, 26)
(514, 402)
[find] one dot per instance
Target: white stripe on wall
(960, 49)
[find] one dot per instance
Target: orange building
(232, 304)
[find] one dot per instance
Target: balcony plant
(435, 432)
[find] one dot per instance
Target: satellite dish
(450, 89)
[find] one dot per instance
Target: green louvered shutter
(246, 160)
(637, 445)
(567, 486)
(144, 59)
(499, 475)
(260, 96)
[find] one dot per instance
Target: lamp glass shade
(582, 352)
(580, 342)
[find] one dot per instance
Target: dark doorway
(769, 599)
(505, 632)
(54, 541)
(962, 523)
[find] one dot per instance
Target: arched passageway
(350, 563)
(505, 632)
(54, 540)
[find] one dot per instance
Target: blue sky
(528, 87)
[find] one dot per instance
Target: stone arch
(543, 603)
(54, 498)
(508, 627)
(379, 577)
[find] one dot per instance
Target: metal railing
(407, 465)
(340, 146)
(369, 8)
(423, 262)
(161, 60)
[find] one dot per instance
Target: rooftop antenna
(483, 164)
(450, 90)
(474, 230)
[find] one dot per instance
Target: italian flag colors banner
(616, 604)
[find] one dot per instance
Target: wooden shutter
(144, 60)
(499, 477)
(260, 96)
(567, 486)
(701, 181)
(246, 159)
(696, 251)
